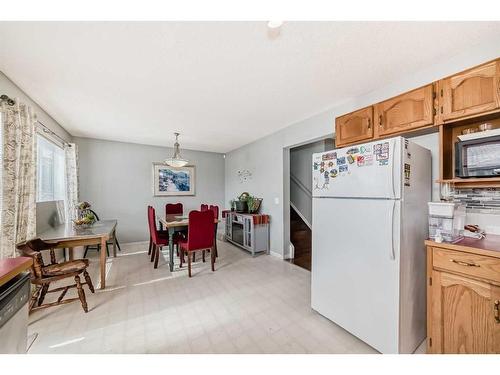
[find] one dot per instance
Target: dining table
(175, 223)
(69, 235)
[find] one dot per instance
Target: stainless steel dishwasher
(14, 298)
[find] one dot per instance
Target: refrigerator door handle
(391, 156)
(393, 253)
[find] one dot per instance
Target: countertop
(11, 267)
(490, 245)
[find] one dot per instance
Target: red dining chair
(215, 210)
(200, 237)
(174, 209)
(161, 233)
(149, 230)
(158, 238)
(203, 207)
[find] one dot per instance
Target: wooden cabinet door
(408, 111)
(463, 315)
(472, 92)
(354, 127)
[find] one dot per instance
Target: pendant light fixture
(176, 160)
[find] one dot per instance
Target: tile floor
(249, 305)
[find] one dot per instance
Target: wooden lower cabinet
(462, 311)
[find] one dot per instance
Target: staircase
(300, 236)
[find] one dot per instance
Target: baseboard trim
(275, 254)
(136, 243)
(301, 216)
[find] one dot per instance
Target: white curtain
(71, 176)
(18, 182)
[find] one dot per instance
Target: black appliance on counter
(479, 157)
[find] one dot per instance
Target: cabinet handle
(466, 264)
(369, 123)
(380, 120)
(496, 311)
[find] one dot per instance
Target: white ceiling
(221, 84)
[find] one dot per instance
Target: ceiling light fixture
(274, 24)
(176, 160)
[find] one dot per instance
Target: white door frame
(287, 244)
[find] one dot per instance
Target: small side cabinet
(241, 231)
(463, 298)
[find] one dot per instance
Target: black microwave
(478, 157)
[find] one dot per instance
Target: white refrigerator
(369, 226)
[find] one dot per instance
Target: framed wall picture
(169, 181)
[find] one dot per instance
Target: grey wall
(431, 142)
(116, 178)
(9, 88)
(301, 175)
(268, 156)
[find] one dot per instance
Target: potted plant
(241, 202)
(253, 204)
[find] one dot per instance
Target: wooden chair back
(33, 249)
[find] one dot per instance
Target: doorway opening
(300, 206)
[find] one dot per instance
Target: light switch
(276, 200)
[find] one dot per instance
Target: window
(50, 171)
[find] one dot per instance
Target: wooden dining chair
(98, 246)
(42, 275)
(200, 237)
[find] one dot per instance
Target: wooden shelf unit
(448, 136)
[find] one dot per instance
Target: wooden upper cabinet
(472, 92)
(354, 127)
(464, 315)
(408, 111)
